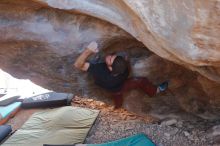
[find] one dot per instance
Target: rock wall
(40, 40)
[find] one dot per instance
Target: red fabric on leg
(140, 83)
(134, 83)
(118, 99)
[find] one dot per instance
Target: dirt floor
(113, 124)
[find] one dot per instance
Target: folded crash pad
(136, 140)
(2, 94)
(8, 99)
(65, 125)
(5, 130)
(8, 111)
(51, 99)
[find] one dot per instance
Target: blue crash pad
(5, 130)
(136, 140)
(7, 110)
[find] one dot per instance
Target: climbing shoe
(163, 86)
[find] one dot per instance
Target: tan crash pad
(65, 125)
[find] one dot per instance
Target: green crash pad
(65, 125)
(136, 140)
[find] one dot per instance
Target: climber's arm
(81, 62)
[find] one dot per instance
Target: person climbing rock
(112, 75)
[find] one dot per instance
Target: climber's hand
(93, 46)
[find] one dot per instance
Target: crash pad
(50, 99)
(5, 130)
(8, 99)
(65, 125)
(8, 111)
(135, 140)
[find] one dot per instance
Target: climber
(112, 75)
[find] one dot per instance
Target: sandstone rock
(186, 133)
(169, 122)
(167, 135)
(214, 131)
